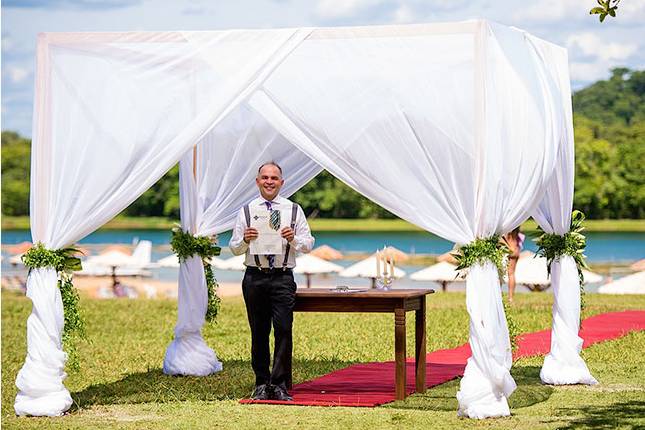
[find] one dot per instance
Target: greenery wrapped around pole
(185, 245)
(573, 243)
(495, 250)
(65, 263)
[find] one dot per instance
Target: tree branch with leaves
(607, 7)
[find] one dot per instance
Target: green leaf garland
(573, 243)
(64, 262)
(492, 249)
(185, 245)
(480, 251)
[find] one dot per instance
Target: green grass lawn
(120, 383)
(335, 225)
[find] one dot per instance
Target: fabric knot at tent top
(463, 129)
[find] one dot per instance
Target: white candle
(391, 265)
(384, 254)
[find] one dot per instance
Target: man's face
(269, 181)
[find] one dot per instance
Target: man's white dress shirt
(302, 242)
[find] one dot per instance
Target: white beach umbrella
(233, 263)
(170, 261)
(591, 277)
(142, 254)
(326, 252)
(442, 273)
(309, 265)
(112, 259)
(638, 266)
(15, 259)
(367, 269)
(116, 262)
(531, 271)
(631, 284)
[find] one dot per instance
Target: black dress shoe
(261, 392)
(281, 393)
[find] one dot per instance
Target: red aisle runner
(372, 384)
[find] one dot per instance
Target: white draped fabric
(212, 191)
(453, 127)
(112, 113)
(563, 364)
(440, 155)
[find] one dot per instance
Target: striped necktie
(274, 221)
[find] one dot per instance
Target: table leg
(420, 347)
(399, 353)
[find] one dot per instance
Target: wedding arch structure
(463, 129)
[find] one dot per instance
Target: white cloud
(588, 72)
(592, 45)
(554, 10)
(403, 14)
(594, 56)
(17, 74)
(331, 9)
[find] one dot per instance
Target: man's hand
(288, 233)
(250, 234)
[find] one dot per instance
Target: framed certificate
(268, 224)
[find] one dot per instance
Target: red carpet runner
(372, 384)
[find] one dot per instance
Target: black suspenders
(294, 214)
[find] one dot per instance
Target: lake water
(601, 247)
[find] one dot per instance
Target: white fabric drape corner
(112, 113)
(425, 154)
(563, 364)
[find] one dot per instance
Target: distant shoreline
(332, 225)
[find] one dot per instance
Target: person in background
(268, 286)
(514, 240)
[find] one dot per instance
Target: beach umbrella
(591, 277)
(170, 261)
(19, 248)
(113, 258)
(142, 254)
(309, 265)
(326, 253)
(15, 260)
(124, 249)
(631, 284)
(233, 263)
(447, 257)
(367, 269)
(399, 256)
(638, 266)
(531, 271)
(442, 273)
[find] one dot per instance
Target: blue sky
(594, 48)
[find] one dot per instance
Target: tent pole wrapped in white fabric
(456, 127)
(563, 364)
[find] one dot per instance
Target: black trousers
(270, 297)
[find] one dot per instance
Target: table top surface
(398, 293)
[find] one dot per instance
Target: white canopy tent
(460, 128)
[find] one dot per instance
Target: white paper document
(269, 240)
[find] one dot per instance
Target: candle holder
(384, 283)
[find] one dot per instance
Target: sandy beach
(101, 286)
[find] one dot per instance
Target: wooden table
(398, 301)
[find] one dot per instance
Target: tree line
(609, 123)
